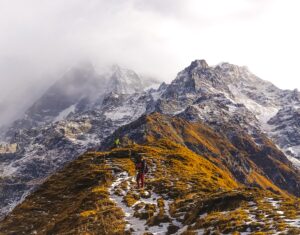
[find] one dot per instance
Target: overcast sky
(41, 38)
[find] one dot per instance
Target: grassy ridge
(212, 184)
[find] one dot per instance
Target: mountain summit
(124, 81)
(80, 89)
(197, 64)
(238, 86)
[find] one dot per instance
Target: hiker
(117, 143)
(142, 169)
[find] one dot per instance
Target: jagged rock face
(284, 128)
(216, 110)
(123, 81)
(249, 100)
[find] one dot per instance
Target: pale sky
(41, 38)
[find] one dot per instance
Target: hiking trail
(152, 211)
(145, 211)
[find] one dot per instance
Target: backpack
(146, 169)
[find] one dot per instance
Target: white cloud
(41, 37)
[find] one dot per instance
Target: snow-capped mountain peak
(197, 65)
(124, 81)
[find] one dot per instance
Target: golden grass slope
(260, 166)
(75, 199)
(200, 171)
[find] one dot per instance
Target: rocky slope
(186, 192)
(74, 115)
(243, 93)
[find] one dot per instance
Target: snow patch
(263, 113)
(8, 170)
(153, 86)
(138, 226)
(295, 161)
(64, 114)
(119, 113)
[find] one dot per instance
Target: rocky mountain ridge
(263, 106)
(226, 97)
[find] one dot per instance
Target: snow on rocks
(135, 224)
(293, 223)
(274, 203)
(148, 213)
(64, 113)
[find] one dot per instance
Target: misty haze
(149, 117)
